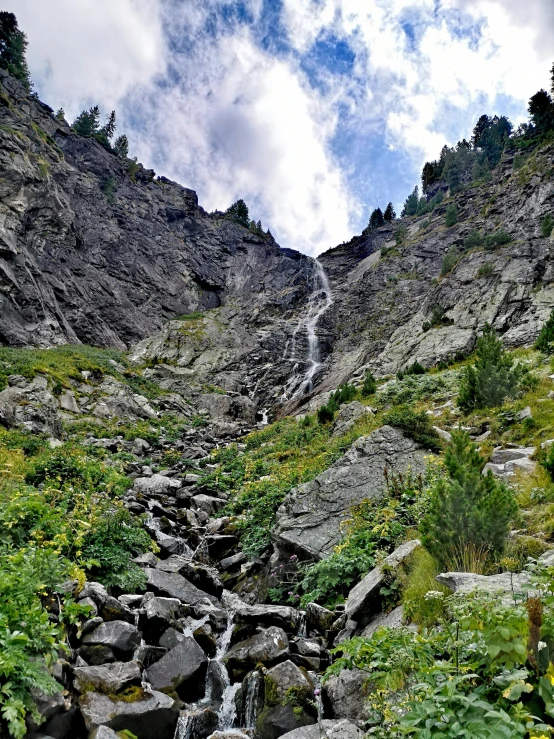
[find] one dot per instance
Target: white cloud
(244, 124)
(84, 51)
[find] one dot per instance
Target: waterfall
(184, 727)
(320, 300)
(252, 692)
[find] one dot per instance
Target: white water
(320, 300)
(252, 692)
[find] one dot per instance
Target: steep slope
(91, 252)
(385, 292)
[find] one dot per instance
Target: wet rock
(334, 729)
(111, 678)
(113, 610)
(157, 615)
(268, 647)
(151, 714)
(319, 618)
(364, 600)
(206, 639)
(118, 636)
(182, 669)
(309, 520)
(288, 701)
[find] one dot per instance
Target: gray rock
(347, 694)
(284, 616)
(278, 715)
(525, 413)
(157, 616)
(157, 484)
(118, 636)
(182, 669)
(444, 435)
(207, 503)
(103, 732)
(233, 562)
(153, 714)
(109, 678)
(347, 417)
(319, 618)
(32, 407)
(175, 586)
(392, 620)
(501, 456)
(364, 600)
(268, 647)
(131, 601)
(503, 584)
(334, 729)
(94, 590)
(113, 610)
(309, 521)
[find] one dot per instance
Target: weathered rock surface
(110, 678)
(280, 714)
(309, 520)
(346, 694)
(151, 714)
(182, 669)
(334, 729)
(364, 600)
(268, 647)
(118, 636)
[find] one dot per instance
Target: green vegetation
(450, 260)
(485, 270)
(370, 385)
(547, 224)
(545, 339)
(469, 513)
(415, 424)
(451, 218)
(87, 123)
(343, 394)
(13, 47)
(492, 378)
(412, 369)
(238, 212)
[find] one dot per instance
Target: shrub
(545, 339)
(400, 235)
(467, 510)
(415, 424)
(492, 378)
(325, 414)
(473, 239)
(343, 394)
(420, 581)
(547, 224)
(370, 386)
(451, 217)
(413, 369)
(498, 239)
(450, 260)
(485, 270)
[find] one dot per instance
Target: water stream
(305, 368)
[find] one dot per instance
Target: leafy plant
(473, 239)
(415, 424)
(416, 368)
(485, 270)
(498, 239)
(466, 508)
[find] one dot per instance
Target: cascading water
(320, 300)
(252, 693)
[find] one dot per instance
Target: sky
(313, 111)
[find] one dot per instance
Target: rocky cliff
(95, 251)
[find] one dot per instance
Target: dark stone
(182, 669)
(150, 714)
(119, 636)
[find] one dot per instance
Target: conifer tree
(239, 213)
(87, 122)
(121, 146)
(411, 203)
(390, 213)
(468, 512)
(376, 219)
(13, 47)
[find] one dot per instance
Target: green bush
(370, 385)
(325, 414)
(492, 378)
(547, 224)
(416, 368)
(343, 394)
(451, 217)
(485, 270)
(467, 510)
(450, 260)
(545, 339)
(473, 239)
(415, 424)
(498, 239)
(420, 580)
(400, 235)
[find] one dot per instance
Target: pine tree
(13, 47)
(492, 378)
(467, 511)
(239, 212)
(390, 213)
(541, 110)
(121, 147)
(411, 204)
(376, 219)
(60, 114)
(109, 127)
(545, 340)
(87, 122)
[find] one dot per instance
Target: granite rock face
(309, 520)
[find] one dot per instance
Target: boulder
(309, 521)
(288, 701)
(150, 714)
(156, 485)
(347, 417)
(346, 695)
(268, 647)
(319, 618)
(284, 616)
(364, 600)
(113, 610)
(119, 636)
(30, 405)
(182, 669)
(158, 614)
(175, 586)
(392, 620)
(503, 584)
(221, 407)
(103, 732)
(333, 729)
(111, 678)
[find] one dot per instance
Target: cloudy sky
(313, 111)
